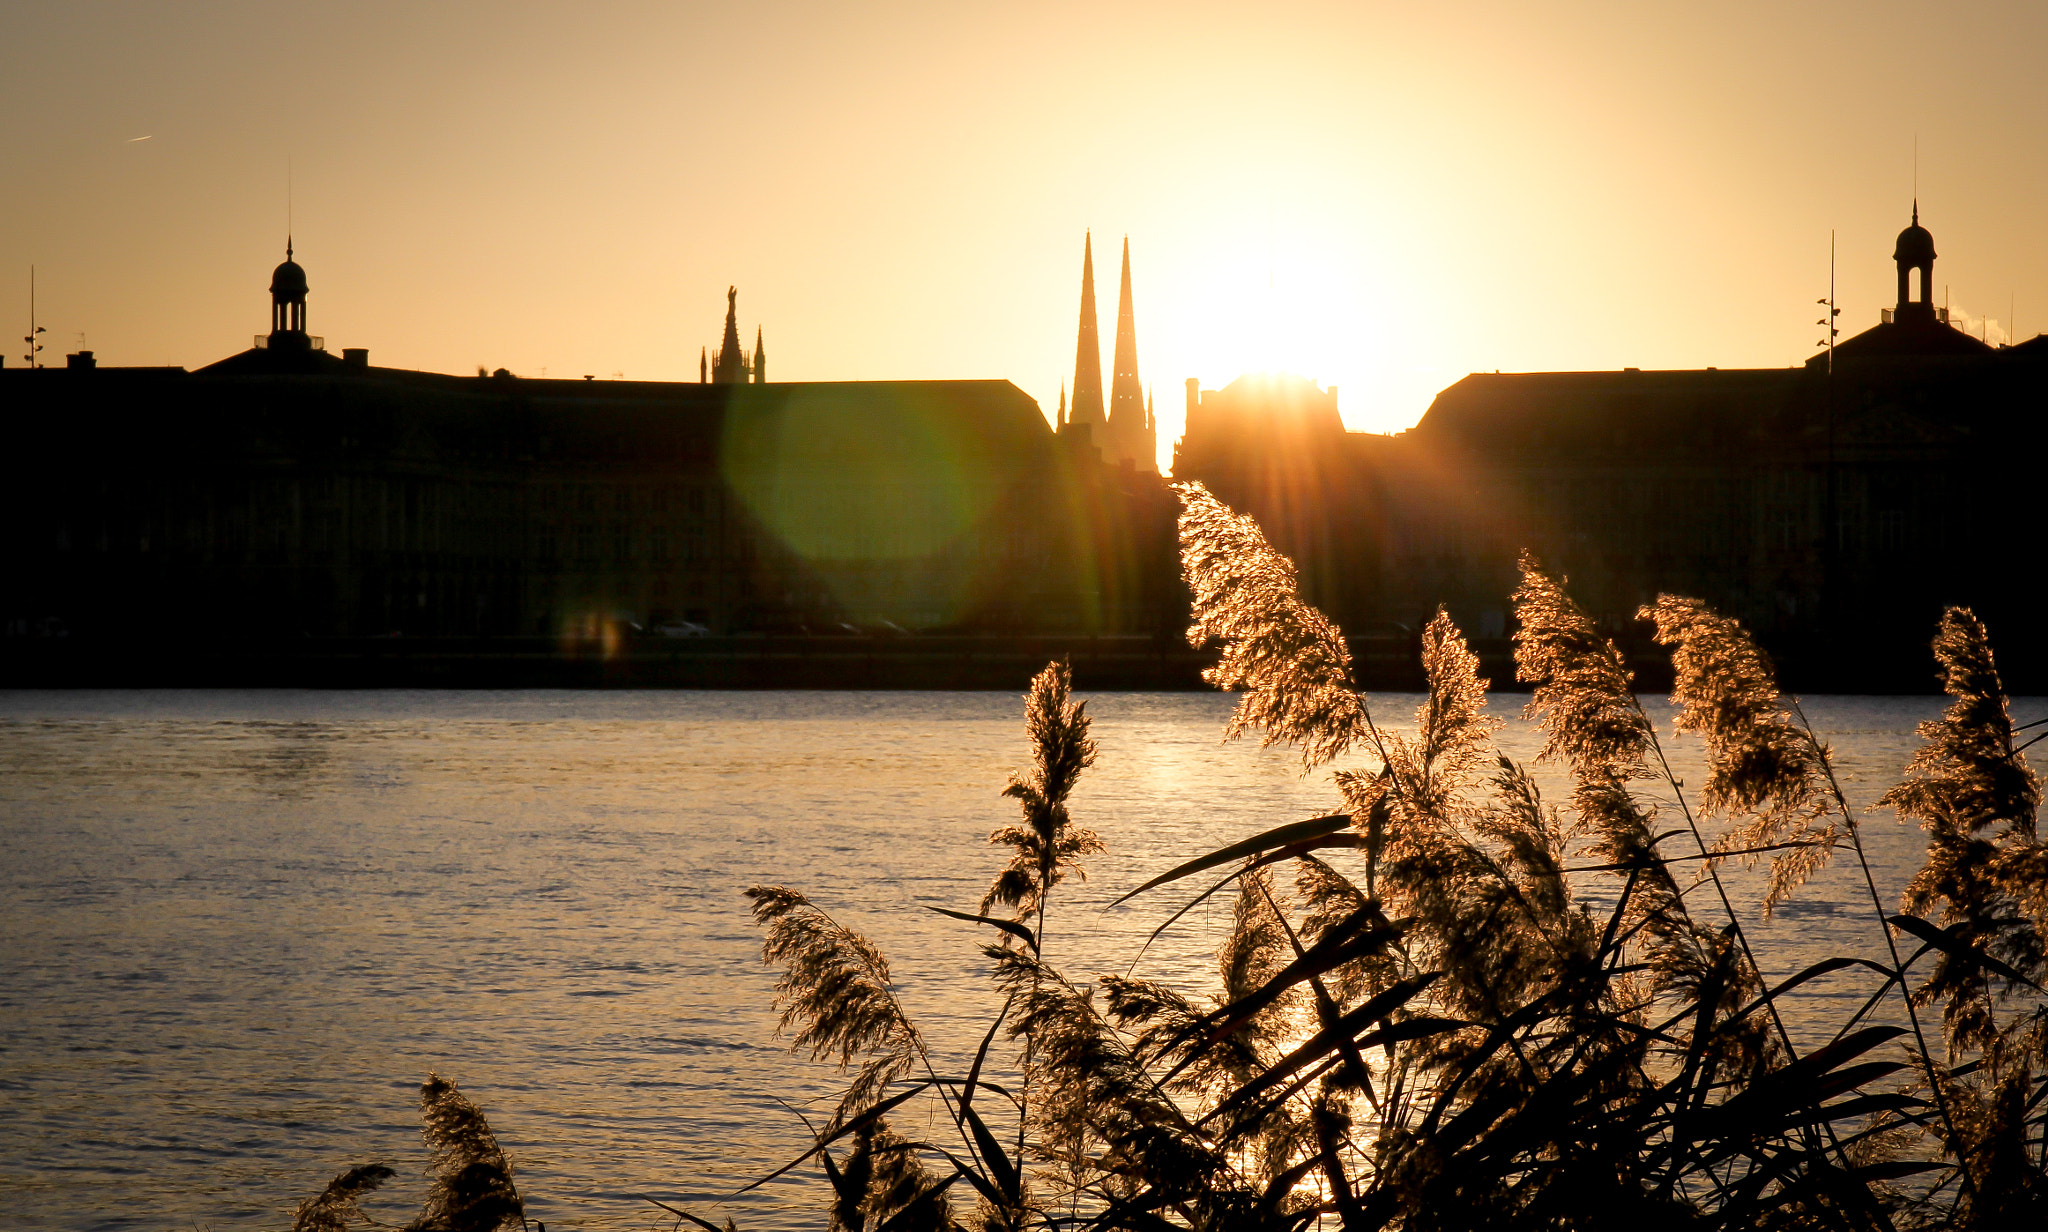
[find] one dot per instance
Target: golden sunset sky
(1379, 196)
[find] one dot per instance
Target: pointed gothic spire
(1126, 396)
(703, 365)
(760, 359)
(731, 368)
(1087, 404)
(1061, 418)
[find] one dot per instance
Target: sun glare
(1297, 297)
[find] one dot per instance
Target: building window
(1889, 530)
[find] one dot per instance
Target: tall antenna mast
(1828, 340)
(34, 347)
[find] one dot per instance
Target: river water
(238, 928)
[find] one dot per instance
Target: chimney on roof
(82, 359)
(356, 357)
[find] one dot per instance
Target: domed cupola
(1915, 251)
(288, 281)
(1916, 244)
(288, 301)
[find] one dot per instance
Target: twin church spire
(1124, 431)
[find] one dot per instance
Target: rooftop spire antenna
(287, 207)
(34, 347)
(1833, 311)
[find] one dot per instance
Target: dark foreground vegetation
(1418, 1023)
(472, 1187)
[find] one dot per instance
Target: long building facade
(286, 491)
(1835, 507)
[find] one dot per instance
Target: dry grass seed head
(1161, 1020)
(1760, 763)
(1530, 841)
(473, 1189)
(1990, 1115)
(1583, 698)
(1581, 691)
(1047, 845)
(1707, 972)
(1501, 909)
(1619, 824)
(895, 1186)
(1328, 899)
(1986, 868)
(1453, 730)
(1097, 1110)
(333, 1208)
(836, 992)
(1287, 658)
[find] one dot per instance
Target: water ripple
(242, 926)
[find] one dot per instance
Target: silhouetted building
(1834, 513)
(285, 491)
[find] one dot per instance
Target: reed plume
(333, 1208)
(1286, 657)
(1427, 861)
(1256, 950)
(836, 992)
(1986, 871)
(1099, 1117)
(1332, 905)
(472, 1189)
(883, 1184)
(1763, 768)
(1047, 845)
(1582, 693)
(1582, 697)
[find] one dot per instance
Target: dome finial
(288, 241)
(1916, 211)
